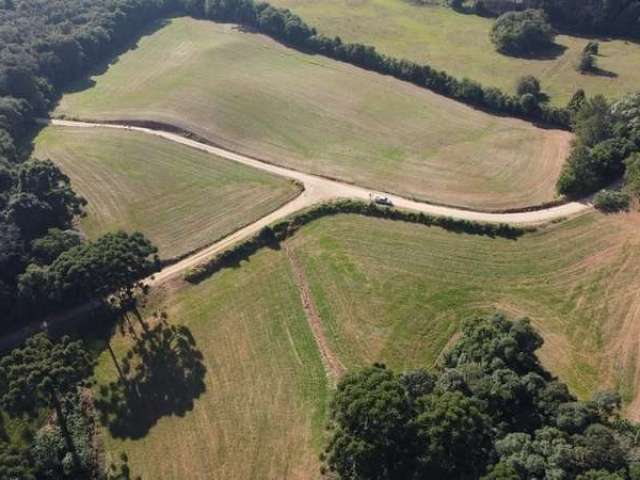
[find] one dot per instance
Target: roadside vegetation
(325, 117)
(180, 198)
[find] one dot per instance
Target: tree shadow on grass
(599, 72)
(163, 375)
(551, 53)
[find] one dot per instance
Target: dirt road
(319, 189)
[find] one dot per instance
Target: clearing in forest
(180, 198)
(460, 45)
(251, 94)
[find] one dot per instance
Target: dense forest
(597, 17)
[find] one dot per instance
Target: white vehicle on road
(382, 200)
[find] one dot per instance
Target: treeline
(271, 236)
(489, 411)
(285, 26)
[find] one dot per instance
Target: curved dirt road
(319, 189)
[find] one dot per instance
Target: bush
(528, 84)
(522, 33)
(611, 201)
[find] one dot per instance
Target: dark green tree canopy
(41, 372)
(522, 33)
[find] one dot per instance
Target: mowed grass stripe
(251, 94)
(460, 45)
(262, 414)
(182, 199)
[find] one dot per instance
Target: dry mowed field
(251, 94)
(459, 44)
(182, 199)
(386, 291)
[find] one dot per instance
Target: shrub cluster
(285, 26)
(606, 136)
(611, 201)
(522, 33)
(270, 236)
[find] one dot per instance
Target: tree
(44, 180)
(494, 343)
(528, 84)
(455, 436)
(593, 122)
(522, 33)
(46, 249)
(592, 47)
(611, 201)
(546, 454)
(30, 214)
(599, 475)
(577, 101)
(113, 264)
(41, 374)
(488, 408)
(579, 174)
(371, 436)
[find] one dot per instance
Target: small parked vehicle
(382, 200)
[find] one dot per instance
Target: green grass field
(386, 291)
(251, 94)
(396, 292)
(459, 44)
(180, 198)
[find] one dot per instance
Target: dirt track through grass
(459, 44)
(252, 95)
(334, 367)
